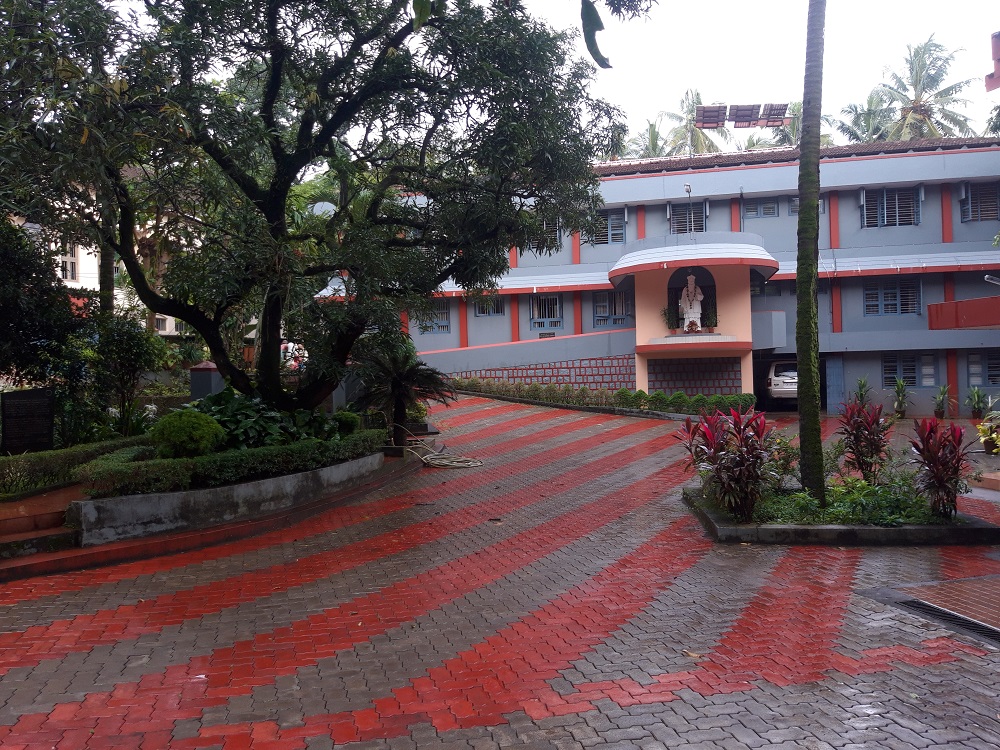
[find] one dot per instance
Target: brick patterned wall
(708, 375)
(599, 372)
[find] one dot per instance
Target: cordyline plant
(943, 462)
(732, 451)
(865, 437)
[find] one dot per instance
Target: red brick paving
(410, 619)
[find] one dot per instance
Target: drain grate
(945, 617)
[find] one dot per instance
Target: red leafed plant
(732, 452)
(865, 438)
(943, 463)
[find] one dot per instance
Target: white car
(783, 380)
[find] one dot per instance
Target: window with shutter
(981, 202)
(611, 228)
(685, 217)
(546, 311)
(892, 296)
(891, 207)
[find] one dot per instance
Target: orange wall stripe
(404, 322)
(947, 220)
(951, 367)
(577, 312)
(949, 285)
(834, 200)
(512, 257)
(576, 248)
(640, 222)
(838, 308)
(515, 320)
(463, 323)
(734, 214)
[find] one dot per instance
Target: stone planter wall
(110, 519)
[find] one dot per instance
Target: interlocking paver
(557, 597)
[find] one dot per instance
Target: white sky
(742, 52)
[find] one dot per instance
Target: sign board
(27, 419)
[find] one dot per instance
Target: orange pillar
(734, 214)
(949, 286)
(404, 322)
(515, 320)
(576, 248)
(838, 309)
(463, 323)
(577, 312)
(947, 220)
(640, 222)
(951, 375)
(834, 199)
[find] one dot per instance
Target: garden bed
(963, 530)
(103, 520)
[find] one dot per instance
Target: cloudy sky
(741, 52)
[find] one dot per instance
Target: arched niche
(709, 307)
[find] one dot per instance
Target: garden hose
(438, 459)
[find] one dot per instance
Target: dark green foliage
(716, 402)
(733, 453)
(623, 398)
(851, 501)
(658, 401)
(943, 462)
(32, 471)
(552, 393)
(250, 423)
(680, 403)
(107, 479)
(126, 351)
(640, 399)
(396, 379)
(36, 315)
(347, 422)
(186, 433)
(699, 404)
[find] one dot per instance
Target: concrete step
(39, 540)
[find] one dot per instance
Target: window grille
(984, 369)
(489, 307)
(891, 207)
(793, 205)
(892, 297)
(612, 309)
(685, 217)
(760, 207)
(611, 227)
(546, 311)
(981, 202)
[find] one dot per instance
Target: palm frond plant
(396, 380)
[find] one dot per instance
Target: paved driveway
(557, 597)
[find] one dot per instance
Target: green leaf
(421, 12)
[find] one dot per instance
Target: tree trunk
(806, 326)
(399, 422)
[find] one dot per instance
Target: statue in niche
(690, 306)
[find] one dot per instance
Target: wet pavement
(560, 596)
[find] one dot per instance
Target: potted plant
(989, 433)
(900, 398)
(977, 401)
(941, 400)
(671, 317)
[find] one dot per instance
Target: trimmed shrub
(111, 478)
(640, 399)
(659, 401)
(31, 471)
(699, 403)
(679, 403)
(187, 433)
(623, 398)
(347, 422)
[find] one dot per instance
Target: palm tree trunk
(806, 326)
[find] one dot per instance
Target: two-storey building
(906, 241)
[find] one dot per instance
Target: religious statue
(690, 306)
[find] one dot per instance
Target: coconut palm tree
(647, 143)
(993, 124)
(755, 141)
(925, 102)
(807, 260)
(395, 380)
(686, 139)
(868, 122)
(790, 134)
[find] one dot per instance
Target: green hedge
(33, 471)
(118, 476)
(623, 398)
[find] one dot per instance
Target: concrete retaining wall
(114, 518)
